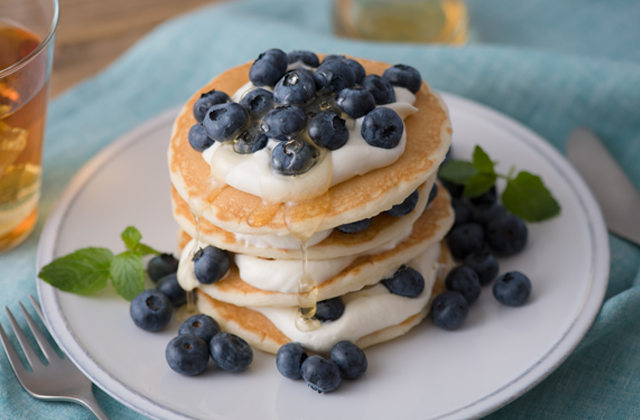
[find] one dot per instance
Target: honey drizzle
(263, 214)
(187, 311)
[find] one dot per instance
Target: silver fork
(60, 380)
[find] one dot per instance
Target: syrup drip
(187, 311)
(262, 214)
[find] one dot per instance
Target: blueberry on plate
(507, 235)
(461, 210)
(486, 213)
(169, 286)
(465, 281)
(307, 58)
(350, 359)
(406, 282)
(289, 360)
(486, 199)
(210, 264)
(380, 88)
(206, 101)
(258, 102)
(198, 138)
(433, 193)
(321, 375)
(449, 310)
(355, 102)
(454, 189)
(284, 123)
(250, 140)
(465, 239)
(187, 354)
(293, 157)
(484, 264)
(329, 310)
(512, 288)
(161, 265)
(200, 325)
(355, 227)
(225, 121)
(405, 207)
(151, 310)
(334, 75)
(297, 87)
(382, 128)
(404, 76)
(328, 130)
(230, 352)
(268, 68)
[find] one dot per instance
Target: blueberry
(206, 101)
(507, 235)
(355, 227)
(284, 123)
(512, 288)
(465, 281)
(350, 359)
(305, 57)
(380, 88)
(230, 352)
(356, 102)
(198, 138)
(296, 88)
(461, 210)
(258, 102)
(357, 68)
(333, 57)
(382, 128)
(293, 157)
(268, 68)
(250, 140)
(465, 239)
(485, 213)
(485, 199)
(405, 207)
(329, 130)
(161, 265)
(404, 76)
(454, 189)
(449, 310)
(405, 282)
(484, 264)
(289, 360)
(200, 325)
(433, 193)
(321, 375)
(334, 75)
(210, 264)
(169, 286)
(151, 310)
(225, 121)
(187, 354)
(330, 309)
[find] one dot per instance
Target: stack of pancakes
(228, 217)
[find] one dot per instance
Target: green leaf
(131, 237)
(479, 184)
(457, 171)
(482, 162)
(83, 271)
(127, 274)
(527, 197)
(146, 250)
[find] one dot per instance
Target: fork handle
(89, 400)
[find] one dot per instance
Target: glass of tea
(27, 30)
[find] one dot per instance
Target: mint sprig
(526, 196)
(90, 269)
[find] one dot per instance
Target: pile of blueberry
(307, 110)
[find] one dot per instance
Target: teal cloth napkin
(550, 65)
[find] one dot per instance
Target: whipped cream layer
(280, 241)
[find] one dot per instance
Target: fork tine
(22, 339)
(40, 338)
(16, 364)
(37, 307)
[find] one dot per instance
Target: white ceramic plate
(496, 356)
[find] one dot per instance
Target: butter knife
(617, 196)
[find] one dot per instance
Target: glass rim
(50, 34)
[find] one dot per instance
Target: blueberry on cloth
(225, 121)
(187, 354)
(206, 101)
(507, 235)
(210, 264)
(465, 281)
(486, 199)
(404, 76)
(297, 87)
(355, 227)
(486, 213)
(151, 310)
(284, 123)
(512, 288)
(433, 193)
(405, 207)
(250, 140)
(330, 309)
(258, 102)
(289, 360)
(465, 239)
(268, 68)
(200, 325)
(198, 138)
(350, 359)
(169, 286)
(461, 210)
(405, 282)
(380, 88)
(484, 264)
(306, 57)
(321, 375)
(449, 310)
(230, 352)
(334, 75)
(293, 157)
(382, 128)
(161, 265)
(328, 130)
(356, 102)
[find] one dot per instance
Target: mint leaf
(127, 274)
(482, 162)
(457, 171)
(132, 237)
(83, 271)
(527, 197)
(479, 184)
(146, 250)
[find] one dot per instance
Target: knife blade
(616, 194)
